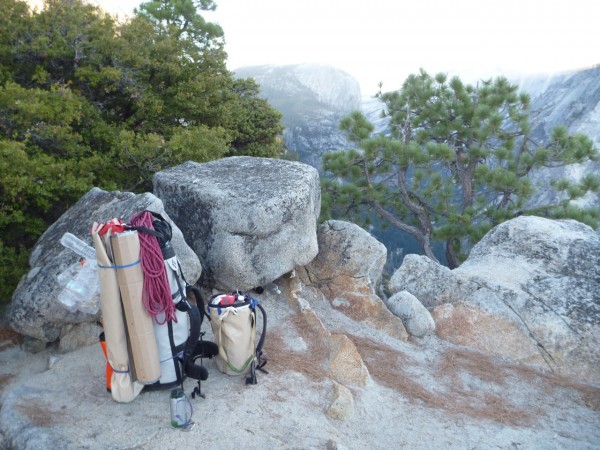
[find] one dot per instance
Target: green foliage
(13, 264)
(455, 165)
(146, 154)
(86, 101)
(13, 24)
(253, 121)
(180, 17)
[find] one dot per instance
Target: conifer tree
(455, 164)
(87, 101)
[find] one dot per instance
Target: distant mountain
(313, 98)
(571, 99)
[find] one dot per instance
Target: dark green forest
(88, 101)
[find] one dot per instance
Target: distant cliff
(571, 99)
(313, 98)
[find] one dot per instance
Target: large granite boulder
(250, 220)
(35, 310)
(530, 289)
(432, 283)
(348, 271)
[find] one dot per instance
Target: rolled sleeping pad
(122, 386)
(126, 248)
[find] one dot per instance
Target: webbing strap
(244, 366)
(116, 266)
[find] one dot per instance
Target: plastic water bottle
(179, 408)
(69, 273)
(270, 288)
(81, 293)
(72, 242)
(273, 289)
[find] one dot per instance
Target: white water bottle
(72, 242)
(81, 293)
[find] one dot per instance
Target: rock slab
(250, 220)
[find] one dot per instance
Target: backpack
(172, 341)
(179, 338)
(233, 321)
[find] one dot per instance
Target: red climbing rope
(156, 295)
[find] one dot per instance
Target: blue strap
(119, 267)
(253, 302)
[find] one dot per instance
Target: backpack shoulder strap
(260, 360)
(263, 334)
(195, 347)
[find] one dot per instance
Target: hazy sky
(385, 40)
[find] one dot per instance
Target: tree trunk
(423, 238)
(453, 261)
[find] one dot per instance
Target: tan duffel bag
(233, 322)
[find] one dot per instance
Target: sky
(386, 40)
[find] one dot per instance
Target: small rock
(342, 406)
(346, 364)
(416, 318)
(52, 360)
(33, 345)
(78, 335)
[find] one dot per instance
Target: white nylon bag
(233, 321)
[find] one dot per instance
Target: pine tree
(455, 164)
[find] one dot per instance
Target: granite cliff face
(571, 99)
(313, 98)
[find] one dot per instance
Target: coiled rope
(156, 295)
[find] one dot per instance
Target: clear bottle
(179, 414)
(81, 293)
(69, 273)
(72, 242)
(269, 288)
